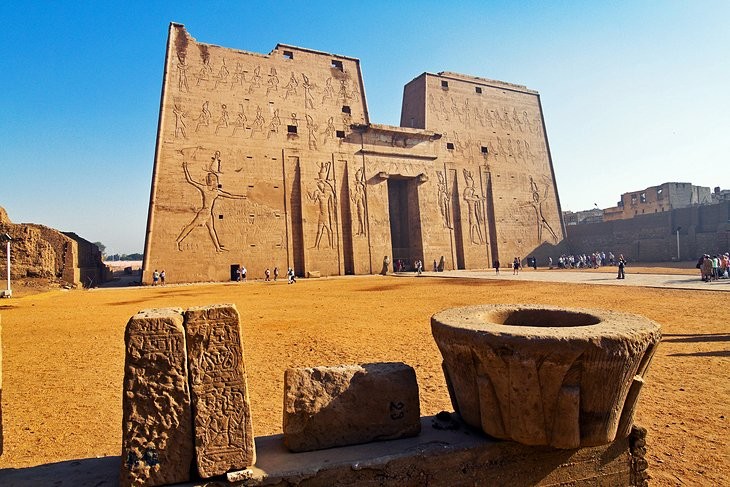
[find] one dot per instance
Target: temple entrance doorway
(405, 222)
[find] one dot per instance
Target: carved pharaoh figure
(474, 205)
(358, 199)
(444, 197)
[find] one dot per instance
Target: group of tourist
(715, 267)
(158, 277)
(582, 261)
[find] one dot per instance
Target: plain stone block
(349, 404)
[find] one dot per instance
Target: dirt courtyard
(63, 356)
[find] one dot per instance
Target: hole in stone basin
(543, 318)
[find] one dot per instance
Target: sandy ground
(63, 356)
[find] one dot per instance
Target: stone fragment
(543, 375)
(157, 437)
(1, 376)
(221, 408)
(349, 404)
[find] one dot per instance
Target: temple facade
(272, 161)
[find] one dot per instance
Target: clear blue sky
(635, 93)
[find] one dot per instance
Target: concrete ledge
(437, 457)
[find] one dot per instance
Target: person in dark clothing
(621, 265)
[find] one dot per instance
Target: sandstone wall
(652, 237)
(271, 160)
(40, 251)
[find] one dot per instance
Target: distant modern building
(656, 199)
(594, 215)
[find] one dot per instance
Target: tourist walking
(621, 265)
(516, 266)
(267, 274)
(162, 277)
(155, 278)
(291, 279)
(276, 273)
(495, 264)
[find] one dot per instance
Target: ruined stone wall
(652, 237)
(271, 160)
(40, 251)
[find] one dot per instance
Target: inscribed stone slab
(349, 404)
(157, 438)
(221, 409)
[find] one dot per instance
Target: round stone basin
(542, 375)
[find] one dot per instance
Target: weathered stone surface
(544, 375)
(157, 438)
(349, 404)
(1, 374)
(221, 409)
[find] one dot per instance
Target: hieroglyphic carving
(328, 93)
(291, 86)
(240, 123)
(182, 75)
(222, 122)
(537, 203)
(222, 77)
(308, 87)
(444, 197)
(475, 205)
(238, 77)
(255, 79)
(210, 191)
(274, 124)
(221, 409)
(358, 201)
(206, 71)
(258, 124)
(157, 447)
(204, 117)
(324, 197)
(329, 131)
(180, 117)
(273, 82)
(312, 132)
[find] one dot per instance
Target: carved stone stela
(222, 413)
(157, 425)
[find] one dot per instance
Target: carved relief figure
(432, 106)
(222, 77)
(444, 111)
(255, 80)
(273, 82)
(308, 87)
(222, 120)
(258, 123)
(240, 122)
(206, 71)
(324, 197)
(328, 94)
(204, 117)
(537, 204)
(238, 76)
(312, 129)
(291, 86)
(274, 124)
(358, 200)
(330, 130)
(209, 192)
(180, 117)
(444, 197)
(475, 206)
(182, 75)
(516, 119)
